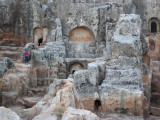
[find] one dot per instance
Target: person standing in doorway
(26, 56)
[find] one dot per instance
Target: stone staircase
(19, 86)
(11, 45)
(16, 88)
(12, 52)
(155, 85)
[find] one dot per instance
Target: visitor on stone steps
(26, 56)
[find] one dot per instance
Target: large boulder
(45, 117)
(77, 114)
(7, 114)
(60, 96)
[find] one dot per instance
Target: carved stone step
(155, 98)
(40, 91)
(9, 48)
(155, 111)
(11, 54)
(9, 98)
(31, 101)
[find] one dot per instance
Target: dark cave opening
(73, 71)
(97, 104)
(40, 41)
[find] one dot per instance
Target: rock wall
(147, 9)
(21, 17)
(115, 85)
(94, 17)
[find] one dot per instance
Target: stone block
(9, 98)
(155, 111)
(154, 57)
(155, 69)
(155, 99)
(146, 79)
(156, 76)
(155, 63)
(117, 100)
(155, 86)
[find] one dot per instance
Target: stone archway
(75, 66)
(40, 35)
(81, 34)
(153, 25)
(6, 27)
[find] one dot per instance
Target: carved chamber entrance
(40, 35)
(81, 34)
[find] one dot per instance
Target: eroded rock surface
(77, 114)
(60, 96)
(5, 64)
(108, 50)
(7, 114)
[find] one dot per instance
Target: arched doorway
(81, 34)
(40, 41)
(40, 35)
(153, 25)
(6, 27)
(74, 67)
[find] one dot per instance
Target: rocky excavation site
(87, 60)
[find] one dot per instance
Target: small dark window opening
(153, 27)
(73, 71)
(40, 41)
(97, 104)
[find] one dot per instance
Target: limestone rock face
(7, 114)
(77, 114)
(126, 38)
(128, 25)
(122, 88)
(45, 117)
(5, 64)
(53, 50)
(115, 85)
(25, 16)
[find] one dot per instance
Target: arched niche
(81, 34)
(153, 25)
(40, 35)
(6, 27)
(75, 66)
